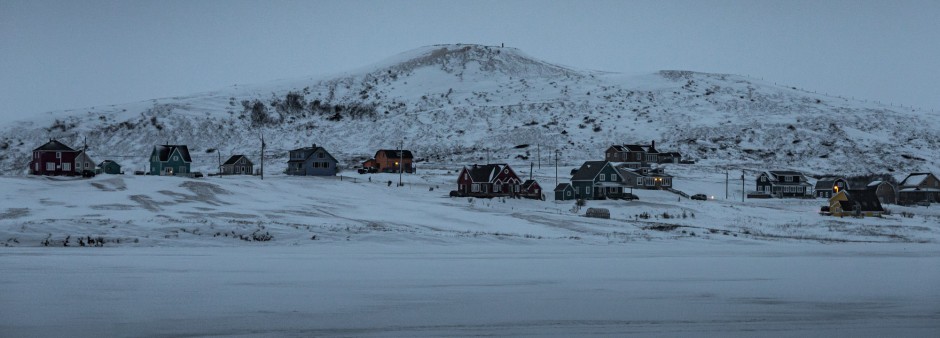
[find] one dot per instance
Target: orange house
(390, 161)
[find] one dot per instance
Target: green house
(564, 192)
(169, 160)
(110, 167)
(597, 180)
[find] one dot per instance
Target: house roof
(235, 158)
(563, 186)
(827, 183)
(483, 173)
(915, 179)
(54, 145)
(164, 152)
(528, 183)
(589, 170)
(785, 173)
(390, 153)
(106, 162)
(312, 150)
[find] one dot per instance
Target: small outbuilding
(564, 192)
(110, 167)
(886, 191)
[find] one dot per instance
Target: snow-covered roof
(915, 179)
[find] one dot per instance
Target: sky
(67, 54)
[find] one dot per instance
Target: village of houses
(623, 169)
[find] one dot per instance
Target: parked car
(700, 197)
(923, 203)
(88, 173)
(139, 172)
(197, 174)
(629, 197)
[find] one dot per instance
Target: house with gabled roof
(55, 158)
(784, 184)
(597, 180)
(110, 167)
(238, 165)
(855, 202)
(827, 187)
(564, 192)
(391, 161)
(637, 156)
(170, 160)
(531, 189)
(311, 161)
(488, 180)
(919, 188)
(645, 178)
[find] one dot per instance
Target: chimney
(653, 144)
(314, 146)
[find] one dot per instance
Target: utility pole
(742, 185)
(538, 153)
(262, 155)
(219, 151)
(556, 167)
(401, 152)
(726, 184)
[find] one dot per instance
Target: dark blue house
(311, 161)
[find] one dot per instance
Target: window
(603, 177)
(788, 178)
(58, 154)
(475, 187)
(496, 188)
(667, 182)
(568, 193)
(37, 166)
(587, 191)
(763, 178)
(50, 166)
(320, 155)
(66, 166)
(176, 158)
(639, 181)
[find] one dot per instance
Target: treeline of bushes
(294, 105)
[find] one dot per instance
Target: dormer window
(788, 178)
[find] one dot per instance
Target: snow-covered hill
(460, 103)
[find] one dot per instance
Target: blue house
(311, 161)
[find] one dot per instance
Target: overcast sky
(73, 54)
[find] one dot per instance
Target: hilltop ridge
(455, 103)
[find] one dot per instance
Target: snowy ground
(302, 256)
(129, 210)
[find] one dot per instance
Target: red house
(489, 180)
(532, 189)
(54, 159)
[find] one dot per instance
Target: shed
(564, 192)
